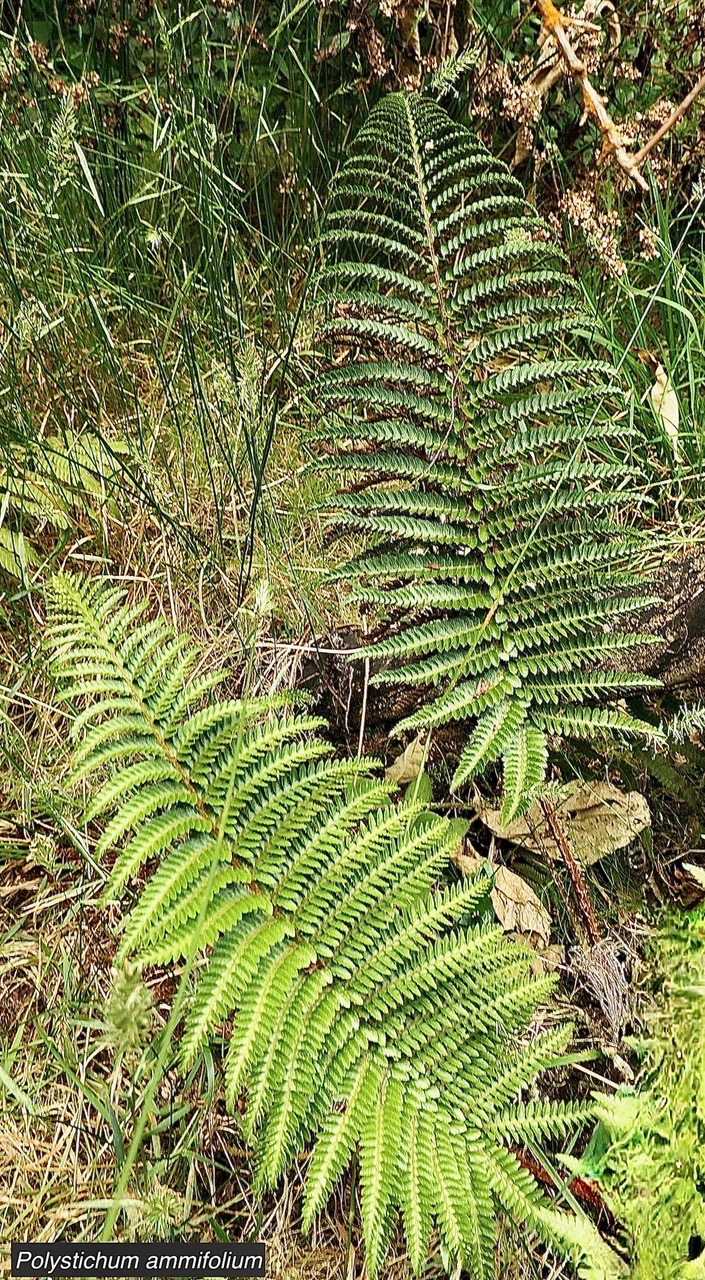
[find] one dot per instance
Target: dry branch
(575, 871)
(612, 140)
(674, 117)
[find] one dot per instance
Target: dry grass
(55, 1155)
(191, 438)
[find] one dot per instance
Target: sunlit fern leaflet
(375, 1007)
(490, 448)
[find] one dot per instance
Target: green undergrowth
(145, 320)
(647, 1152)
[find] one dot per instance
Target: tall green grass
(154, 237)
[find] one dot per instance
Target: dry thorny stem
(554, 25)
(575, 871)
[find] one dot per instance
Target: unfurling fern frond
(451, 70)
(375, 1007)
(493, 461)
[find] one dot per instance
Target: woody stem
(575, 871)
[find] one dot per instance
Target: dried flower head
(600, 228)
(128, 1014)
(39, 53)
(649, 243)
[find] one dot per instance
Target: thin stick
(574, 870)
(674, 117)
(612, 141)
(283, 647)
(363, 712)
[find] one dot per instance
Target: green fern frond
(534, 1121)
(366, 1006)
(525, 757)
(595, 722)
(465, 385)
(493, 731)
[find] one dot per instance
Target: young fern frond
(374, 1009)
(493, 462)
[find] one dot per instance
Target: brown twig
(575, 871)
(612, 141)
(674, 117)
(585, 1190)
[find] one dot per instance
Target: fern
(493, 465)
(375, 1009)
(451, 70)
(647, 1151)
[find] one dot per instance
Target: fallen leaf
(665, 402)
(466, 859)
(517, 907)
(408, 765)
(597, 817)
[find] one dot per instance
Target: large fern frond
(493, 463)
(375, 1006)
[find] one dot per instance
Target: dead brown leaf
(516, 906)
(408, 765)
(598, 817)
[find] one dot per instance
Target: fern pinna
(374, 1008)
(491, 453)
